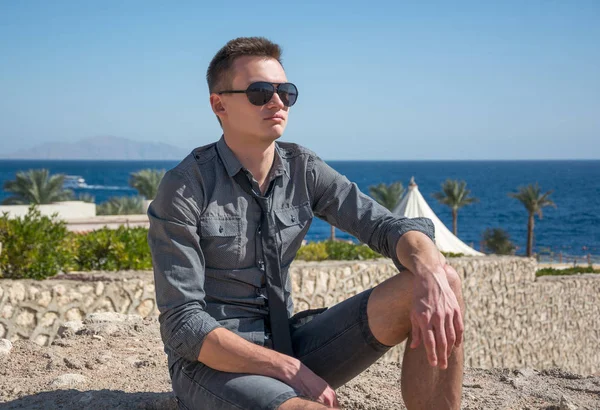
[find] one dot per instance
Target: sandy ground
(117, 362)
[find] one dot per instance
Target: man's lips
(276, 117)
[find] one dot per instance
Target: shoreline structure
(513, 319)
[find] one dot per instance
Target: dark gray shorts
(335, 343)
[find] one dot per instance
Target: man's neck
(256, 157)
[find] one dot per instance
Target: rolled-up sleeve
(178, 264)
(340, 202)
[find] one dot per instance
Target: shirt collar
(280, 167)
(233, 165)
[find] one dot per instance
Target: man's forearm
(419, 254)
(225, 351)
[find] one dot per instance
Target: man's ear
(217, 105)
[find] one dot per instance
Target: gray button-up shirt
(205, 240)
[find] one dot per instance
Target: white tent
(413, 205)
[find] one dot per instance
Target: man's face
(255, 123)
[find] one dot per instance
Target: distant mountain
(106, 147)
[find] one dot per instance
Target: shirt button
(293, 219)
(220, 229)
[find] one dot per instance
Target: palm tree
(124, 205)
(146, 181)
(497, 240)
(85, 197)
(533, 200)
(36, 186)
(456, 195)
(387, 195)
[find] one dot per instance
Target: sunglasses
(261, 92)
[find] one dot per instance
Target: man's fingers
(450, 334)
(458, 327)
(331, 398)
(429, 341)
(441, 342)
(327, 399)
(415, 335)
(336, 404)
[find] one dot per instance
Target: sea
(572, 228)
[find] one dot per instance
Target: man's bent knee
(455, 283)
(454, 280)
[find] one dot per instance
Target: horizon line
(326, 160)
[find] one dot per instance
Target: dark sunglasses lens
(260, 93)
(288, 94)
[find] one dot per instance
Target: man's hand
(436, 317)
(311, 385)
(225, 351)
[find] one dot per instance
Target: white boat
(74, 182)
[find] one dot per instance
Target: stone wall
(512, 319)
(516, 320)
(34, 310)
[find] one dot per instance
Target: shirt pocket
(292, 224)
(220, 241)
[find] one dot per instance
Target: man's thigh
(198, 386)
(338, 344)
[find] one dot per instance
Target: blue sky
(377, 80)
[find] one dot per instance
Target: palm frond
(454, 194)
(387, 195)
(86, 198)
(532, 199)
(14, 200)
(37, 186)
(146, 181)
(124, 205)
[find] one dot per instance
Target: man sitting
(226, 224)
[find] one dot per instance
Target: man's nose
(275, 101)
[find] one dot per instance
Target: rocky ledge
(110, 361)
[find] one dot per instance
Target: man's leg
(301, 404)
(423, 386)
(337, 344)
(198, 386)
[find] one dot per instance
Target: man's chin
(269, 139)
(274, 133)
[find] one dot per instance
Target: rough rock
(5, 346)
(62, 343)
(113, 317)
(73, 363)
(525, 372)
(68, 380)
(565, 404)
(69, 328)
(128, 370)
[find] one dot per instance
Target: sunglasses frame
(275, 87)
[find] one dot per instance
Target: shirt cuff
(421, 224)
(188, 340)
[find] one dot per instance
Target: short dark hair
(219, 74)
